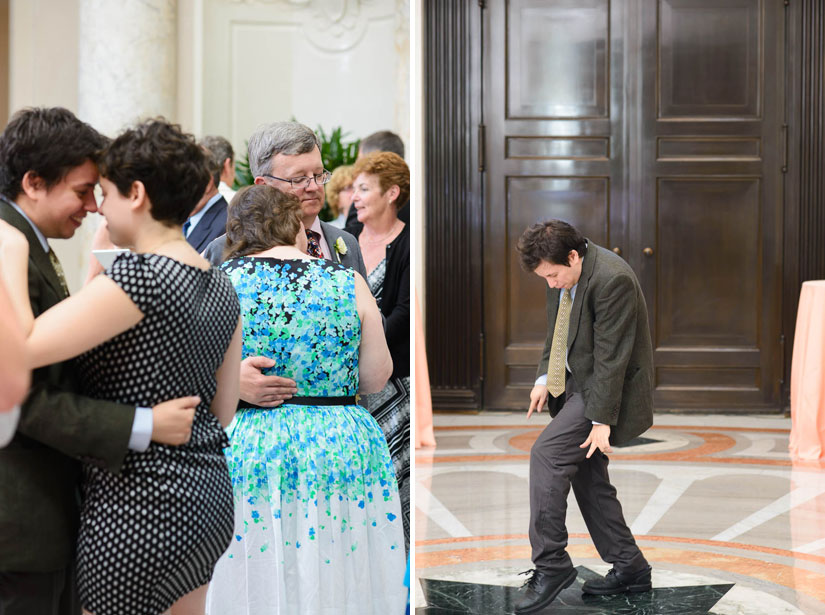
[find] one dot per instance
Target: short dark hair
(49, 142)
(549, 241)
(169, 163)
(261, 217)
(381, 141)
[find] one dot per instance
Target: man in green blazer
(47, 180)
(597, 373)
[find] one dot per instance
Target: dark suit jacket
(609, 349)
(212, 225)
(352, 259)
(39, 472)
(395, 303)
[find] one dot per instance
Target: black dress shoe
(542, 588)
(619, 583)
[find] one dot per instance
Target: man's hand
(172, 420)
(538, 398)
(266, 391)
(599, 438)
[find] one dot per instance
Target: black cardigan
(395, 302)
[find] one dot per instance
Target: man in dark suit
(287, 156)
(47, 179)
(208, 219)
(597, 372)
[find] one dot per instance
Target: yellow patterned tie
(558, 351)
(59, 270)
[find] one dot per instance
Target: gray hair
(219, 146)
(214, 158)
(288, 138)
(381, 141)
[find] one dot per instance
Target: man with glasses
(287, 156)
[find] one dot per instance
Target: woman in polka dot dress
(158, 324)
(318, 526)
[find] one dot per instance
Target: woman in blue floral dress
(317, 514)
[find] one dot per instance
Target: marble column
(128, 62)
(127, 72)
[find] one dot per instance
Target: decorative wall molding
(333, 25)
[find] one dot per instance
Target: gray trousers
(556, 463)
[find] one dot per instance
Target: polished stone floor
(730, 524)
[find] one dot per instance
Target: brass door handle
(648, 251)
(618, 250)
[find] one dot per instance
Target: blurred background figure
(381, 190)
(317, 527)
(381, 141)
(222, 151)
(14, 373)
(339, 194)
(208, 220)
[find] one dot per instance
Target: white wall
(240, 63)
(323, 63)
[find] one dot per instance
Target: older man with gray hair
(287, 156)
(221, 148)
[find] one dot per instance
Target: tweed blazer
(352, 259)
(39, 469)
(608, 345)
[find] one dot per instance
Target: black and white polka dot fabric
(154, 532)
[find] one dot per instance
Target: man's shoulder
(607, 261)
(214, 251)
(332, 233)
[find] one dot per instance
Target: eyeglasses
(303, 182)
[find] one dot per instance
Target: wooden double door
(655, 127)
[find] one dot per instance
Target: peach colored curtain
(423, 401)
(807, 439)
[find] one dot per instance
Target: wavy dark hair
(49, 142)
(261, 217)
(169, 162)
(549, 241)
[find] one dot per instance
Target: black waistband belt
(305, 401)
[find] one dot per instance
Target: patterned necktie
(185, 228)
(59, 271)
(313, 245)
(558, 351)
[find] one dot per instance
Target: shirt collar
(37, 231)
(316, 226)
(193, 220)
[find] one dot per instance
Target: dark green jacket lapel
(38, 258)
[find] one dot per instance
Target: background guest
(381, 188)
(339, 194)
(222, 150)
(381, 141)
(317, 526)
(208, 219)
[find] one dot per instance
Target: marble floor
(730, 524)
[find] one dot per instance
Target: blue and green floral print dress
(317, 515)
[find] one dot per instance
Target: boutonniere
(340, 248)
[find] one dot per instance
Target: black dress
(154, 532)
